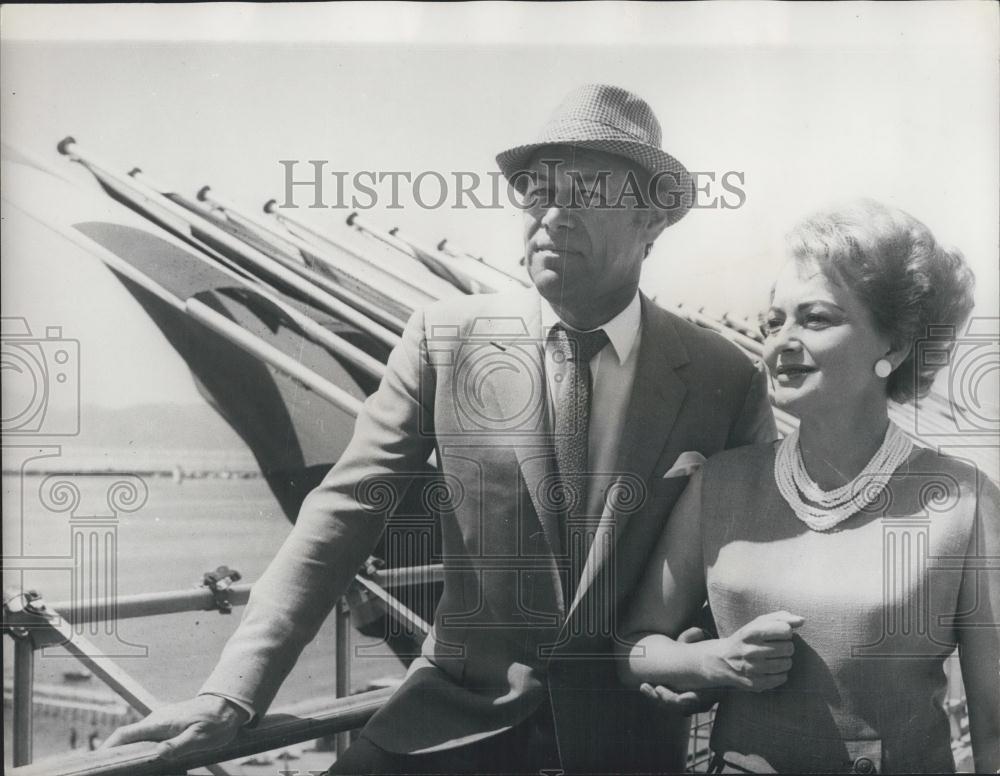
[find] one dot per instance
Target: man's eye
(594, 191)
(542, 197)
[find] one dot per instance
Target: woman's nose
(784, 340)
(787, 340)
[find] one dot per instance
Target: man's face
(586, 257)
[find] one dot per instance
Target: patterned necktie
(572, 424)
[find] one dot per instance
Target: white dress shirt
(613, 372)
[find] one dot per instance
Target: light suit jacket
(467, 383)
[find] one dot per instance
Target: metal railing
(34, 625)
(274, 731)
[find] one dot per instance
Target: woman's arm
(979, 640)
(671, 591)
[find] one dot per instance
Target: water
(180, 531)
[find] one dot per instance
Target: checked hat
(616, 121)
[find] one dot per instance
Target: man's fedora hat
(616, 121)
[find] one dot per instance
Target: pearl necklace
(820, 509)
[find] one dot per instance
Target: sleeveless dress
(879, 594)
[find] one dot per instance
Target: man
(557, 416)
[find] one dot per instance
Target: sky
(811, 104)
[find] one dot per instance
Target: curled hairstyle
(914, 287)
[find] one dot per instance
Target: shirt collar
(621, 330)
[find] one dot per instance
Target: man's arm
(332, 537)
(755, 423)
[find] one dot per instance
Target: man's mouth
(556, 260)
(553, 251)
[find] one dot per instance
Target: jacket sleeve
(338, 524)
(755, 423)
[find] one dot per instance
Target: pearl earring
(883, 368)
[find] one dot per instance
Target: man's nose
(557, 216)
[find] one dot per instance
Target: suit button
(863, 765)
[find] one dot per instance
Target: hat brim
(675, 187)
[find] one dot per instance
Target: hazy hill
(142, 436)
(168, 426)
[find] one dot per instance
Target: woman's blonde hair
(914, 287)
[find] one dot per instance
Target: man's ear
(656, 220)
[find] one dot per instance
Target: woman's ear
(897, 354)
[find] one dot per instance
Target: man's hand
(687, 703)
(203, 722)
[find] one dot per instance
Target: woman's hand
(757, 657)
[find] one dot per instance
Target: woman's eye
(816, 319)
(770, 326)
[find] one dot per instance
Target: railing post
(343, 658)
(24, 691)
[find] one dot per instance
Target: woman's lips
(793, 371)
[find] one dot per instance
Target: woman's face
(821, 344)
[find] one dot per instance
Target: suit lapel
(658, 392)
(517, 395)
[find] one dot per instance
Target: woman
(839, 563)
